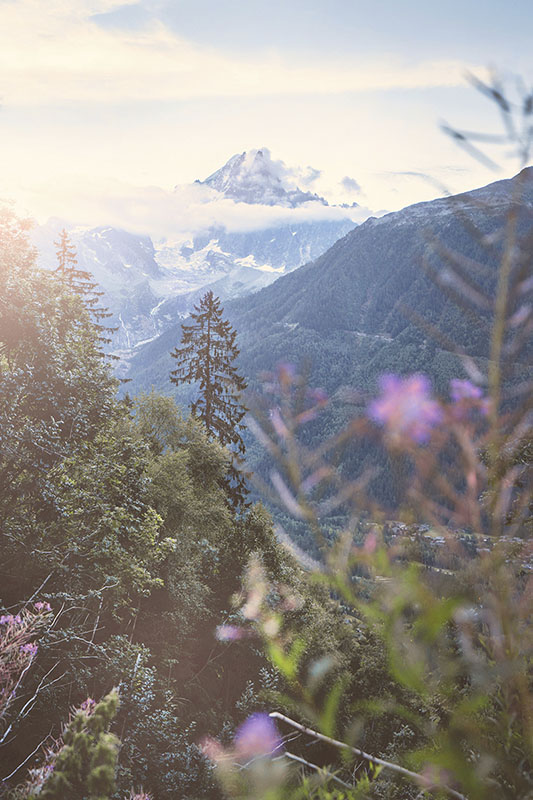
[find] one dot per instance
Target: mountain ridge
(356, 292)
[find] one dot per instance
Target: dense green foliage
(405, 654)
(116, 514)
(117, 518)
(79, 281)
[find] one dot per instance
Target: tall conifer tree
(81, 282)
(206, 355)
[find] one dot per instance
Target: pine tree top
(81, 282)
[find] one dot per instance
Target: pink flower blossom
(88, 706)
(371, 543)
(39, 606)
(9, 619)
(318, 395)
(467, 398)
(257, 736)
(29, 648)
(212, 749)
(464, 390)
(252, 607)
(230, 633)
(405, 408)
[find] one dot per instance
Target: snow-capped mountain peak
(255, 177)
(149, 284)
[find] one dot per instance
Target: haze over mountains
(151, 281)
(349, 312)
(355, 314)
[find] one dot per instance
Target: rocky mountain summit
(252, 177)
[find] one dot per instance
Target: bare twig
(407, 773)
(7, 777)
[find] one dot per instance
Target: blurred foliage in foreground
(446, 587)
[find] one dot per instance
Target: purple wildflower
(467, 397)
(29, 648)
(257, 736)
(230, 633)
(464, 390)
(405, 408)
(318, 395)
(39, 606)
(88, 705)
(9, 619)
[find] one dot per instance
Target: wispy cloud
(186, 210)
(61, 56)
(309, 176)
(350, 185)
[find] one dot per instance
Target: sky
(107, 106)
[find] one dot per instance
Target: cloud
(292, 177)
(60, 56)
(309, 176)
(350, 185)
(187, 210)
(131, 16)
(275, 167)
(407, 173)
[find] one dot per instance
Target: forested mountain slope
(349, 313)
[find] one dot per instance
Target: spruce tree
(206, 356)
(81, 282)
